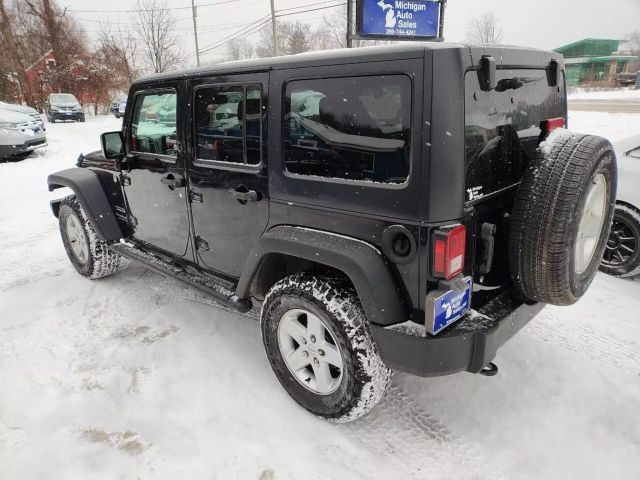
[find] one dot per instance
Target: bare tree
(293, 37)
(484, 29)
(332, 33)
(298, 38)
(264, 47)
(161, 47)
(121, 51)
(13, 60)
(63, 35)
(240, 48)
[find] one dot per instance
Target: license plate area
(445, 307)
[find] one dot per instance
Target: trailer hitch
(489, 370)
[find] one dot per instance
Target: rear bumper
(32, 143)
(468, 345)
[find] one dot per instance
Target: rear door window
(355, 128)
(229, 123)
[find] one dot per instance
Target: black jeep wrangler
(404, 207)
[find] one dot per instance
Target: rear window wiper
(514, 83)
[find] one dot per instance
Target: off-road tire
(333, 299)
(101, 261)
(630, 218)
(546, 217)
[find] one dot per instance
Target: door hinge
(202, 244)
(195, 196)
(125, 181)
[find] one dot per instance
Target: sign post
(400, 19)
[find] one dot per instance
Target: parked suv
(20, 135)
(388, 207)
(32, 112)
(118, 107)
(63, 106)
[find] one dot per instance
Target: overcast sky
(538, 23)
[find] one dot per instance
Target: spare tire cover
(561, 219)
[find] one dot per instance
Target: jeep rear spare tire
(561, 218)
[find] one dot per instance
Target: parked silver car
(32, 112)
(622, 255)
(20, 135)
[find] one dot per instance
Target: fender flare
(361, 262)
(89, 192)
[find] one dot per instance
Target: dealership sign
(400, 19)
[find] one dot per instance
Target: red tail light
(449, 245)
(551, 124)
(134, 143)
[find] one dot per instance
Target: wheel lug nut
(304, 341)
(316, 361)
(305, 354)
(313, 339)
(321, 352)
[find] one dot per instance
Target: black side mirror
(112, 145)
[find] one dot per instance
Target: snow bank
(612, 94)
(614, 126)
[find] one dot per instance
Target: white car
(32, 112)
(20, 135)
(622, 255)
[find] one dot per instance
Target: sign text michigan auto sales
(399, 18)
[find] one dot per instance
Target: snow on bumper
(468, 345)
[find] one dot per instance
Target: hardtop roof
(404, 50)
(317, 58)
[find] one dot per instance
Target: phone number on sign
(399, 31)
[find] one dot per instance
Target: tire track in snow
(413, 440)
(417, 443)
(585, 340)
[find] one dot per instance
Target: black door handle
(173, 182)
(243, 195)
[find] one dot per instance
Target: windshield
(63, 97)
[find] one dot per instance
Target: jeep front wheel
(318, 342)
(89, 255)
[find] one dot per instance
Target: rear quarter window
(355, 128)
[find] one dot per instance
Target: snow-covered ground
(138, 376)
(614, 126)
(604, 94)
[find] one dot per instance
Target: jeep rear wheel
(561, 219)
(318, 342)
(89, 255)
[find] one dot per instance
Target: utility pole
(195, 30)
(349, 23)
(273, 26)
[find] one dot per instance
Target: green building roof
(590, 47)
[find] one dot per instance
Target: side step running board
(220, 293)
